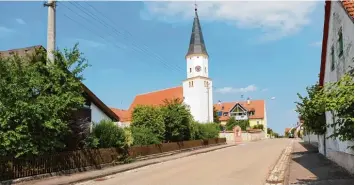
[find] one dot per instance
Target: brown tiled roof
(255, 105)
(349, 7)
(93, 98)
(287, 129)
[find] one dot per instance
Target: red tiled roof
(349, 7)
(155, 98)
(122, 114)
(256, 105)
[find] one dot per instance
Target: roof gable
(255, 105)
(91, 96)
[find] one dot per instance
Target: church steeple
(197, 44)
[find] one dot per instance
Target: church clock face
(198, 68)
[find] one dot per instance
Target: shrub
(207, 131)
(258, 127)
(231, 123)
(149, 117)
(109, 134)
(143, 136)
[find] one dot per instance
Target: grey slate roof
(197, 44)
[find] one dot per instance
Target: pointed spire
(197, 44)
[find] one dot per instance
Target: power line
(135, 48)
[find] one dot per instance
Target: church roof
(197, 44)
(256, 105)
(155, 98)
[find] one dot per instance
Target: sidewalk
(89, 175)
(307, 166)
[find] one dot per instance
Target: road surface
(245, 164)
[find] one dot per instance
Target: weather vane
(195, 6)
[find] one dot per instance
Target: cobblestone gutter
(277, 175)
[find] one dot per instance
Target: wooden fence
(13, 168)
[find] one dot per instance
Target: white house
(337, 59)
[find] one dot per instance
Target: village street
(245, 164)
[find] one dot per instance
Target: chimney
(248, 101)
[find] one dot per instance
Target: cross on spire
(195, 6)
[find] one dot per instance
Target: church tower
(197, 88)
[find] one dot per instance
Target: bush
(143, 136)
(258, 127)
(109, 134)
(231, 123)
(206, 131)
(149, 117)
(177, 121)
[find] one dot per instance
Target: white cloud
(276, 19)
(20, 21)
(316, 44)
(225, 90)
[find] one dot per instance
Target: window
(197, 56)
(257, 122)
(205, 70)
(190, 70)
(219, 113)
(332, 67)
(340, 42)
(191, 84)
(225, 113)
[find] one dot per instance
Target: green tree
(37, 99)
(312, 109)
(149, 117)
(232, 122)
(177, 120)
(109, 134)
(215, 116)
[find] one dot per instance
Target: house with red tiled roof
(252, 110)
(337, 59)
(196, 90)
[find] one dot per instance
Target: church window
(190, 70)
(332, 67)
(192, 83)
(197, 56)
(205, 70)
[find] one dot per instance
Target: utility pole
(51, 27)
(208, 101)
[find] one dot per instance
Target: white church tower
(197, 88)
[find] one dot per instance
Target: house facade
(94, 109)
(252, 110)
(196, 90)
(337, 59)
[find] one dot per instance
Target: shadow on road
(310, 167)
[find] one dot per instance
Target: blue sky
(258, 49)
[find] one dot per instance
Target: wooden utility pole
(51, 27)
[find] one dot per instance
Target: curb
(277, 175)
(27, 180)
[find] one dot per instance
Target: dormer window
(225, 113)
(222, 107)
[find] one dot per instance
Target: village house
(252, 110)
(94, 110)
(337, 58)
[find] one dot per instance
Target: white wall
(96, 114)
(338, 18)
(197, 99)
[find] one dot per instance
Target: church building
(196, 90)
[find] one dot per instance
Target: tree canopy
(37, 99)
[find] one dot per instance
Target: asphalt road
(245, 164)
